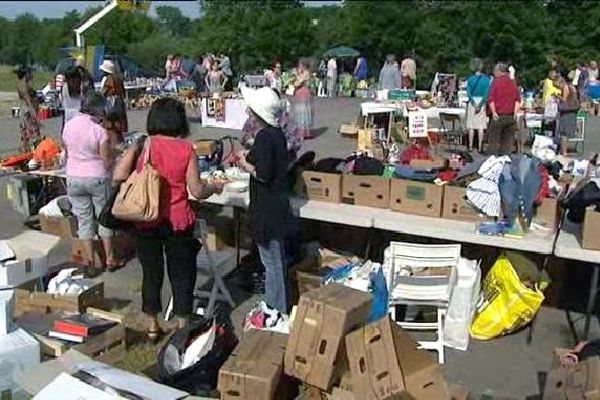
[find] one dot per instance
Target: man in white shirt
(332, 74)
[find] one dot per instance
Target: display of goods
(347, 84)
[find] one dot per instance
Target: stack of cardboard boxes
(406, 196)
(333, 354)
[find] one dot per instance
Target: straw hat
(108, 67)
(264, 102)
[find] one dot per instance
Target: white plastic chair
(413, 291)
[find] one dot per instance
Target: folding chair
(451, 128)
(219, 291)
(428, 290)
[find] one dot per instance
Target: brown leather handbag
(139, 196)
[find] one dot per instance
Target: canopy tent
(342, 52)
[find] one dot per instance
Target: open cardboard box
(319, 186)
(65, 227)
(32, 250)
(589, 233)
(418, 198)
(369, 191)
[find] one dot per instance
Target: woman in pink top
(88, 162)
(175, 160)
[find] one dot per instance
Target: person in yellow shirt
(549, 89)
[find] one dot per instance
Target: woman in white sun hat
(269, 211)
(113, 89)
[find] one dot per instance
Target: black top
(269, 199)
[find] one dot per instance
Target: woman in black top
(267, 162)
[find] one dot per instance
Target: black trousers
(501, 135)
(180, 250)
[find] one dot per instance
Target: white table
(235, 115)
(569, 247)
(458, 231)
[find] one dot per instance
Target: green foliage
(442, 35)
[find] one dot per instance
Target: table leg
(237, 234)
(591, 300)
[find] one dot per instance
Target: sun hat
(108, 67)
(264, 102)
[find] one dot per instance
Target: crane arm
(90, 22)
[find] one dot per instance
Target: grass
(8, 79)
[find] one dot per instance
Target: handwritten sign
(417, 124)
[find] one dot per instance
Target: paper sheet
(65, 387)
(127, 381)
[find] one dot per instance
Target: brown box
(65, 227)
(124, 249)
(427, 165)
(370, 191)
(385, 364)
(319, 186)
(205, 147)
(29, 299)
(457, 207)
(591, 226)
(548, 214)
(315, 350)
(254, 369)
(579, 381)
(107, 347)
(374, 361)
(418, 198)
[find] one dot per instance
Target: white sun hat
(108, 67)
(264, 102)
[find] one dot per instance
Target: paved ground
(508, 365)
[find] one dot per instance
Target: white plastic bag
(462, 304)
(543, 148)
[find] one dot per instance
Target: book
(66, 337)
(83, 325)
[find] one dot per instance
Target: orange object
(16, 160)
(46, 152)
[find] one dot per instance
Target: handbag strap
(147, 149)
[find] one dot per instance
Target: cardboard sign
(417, 124)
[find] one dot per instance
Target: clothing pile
(57, 207)
(69, 281)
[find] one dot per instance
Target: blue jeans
(272, 255)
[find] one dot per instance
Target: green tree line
(442, 35)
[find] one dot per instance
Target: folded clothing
(406, 172)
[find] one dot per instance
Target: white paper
(129, 382)
(65, 387)
(417, 124)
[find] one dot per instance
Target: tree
(172, 20)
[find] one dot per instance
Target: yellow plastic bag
(506, 304)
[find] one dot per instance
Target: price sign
(417, 124)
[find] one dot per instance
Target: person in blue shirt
(478, 86)
(361, 71)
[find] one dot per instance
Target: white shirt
(512, 72)
(331, 68)
(576, 77)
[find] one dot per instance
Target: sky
(57, 8)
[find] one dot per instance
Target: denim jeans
(88, 196)
(272, 255)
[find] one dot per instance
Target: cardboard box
(18, 352)
(365, 139)
(436, 162)
(418, 198)
(65, 227)
(7, 304)
(548, 214)
(319, 186)
(32, 250)
(369, 191)
(385, 364)
(374, 361)
(591, 226)
(124, 249)
(205, 147)
(315, 350)
(348, 130)
(254, 369)
(579, 381)
(30, 298)
(457, 207)
(458, 392)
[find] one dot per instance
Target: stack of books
(79, 327)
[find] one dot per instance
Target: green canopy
(342, 52)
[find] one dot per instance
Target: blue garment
(406, 172)
(478, 85)
(272, 255)
(519, 185)
(362, 72)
